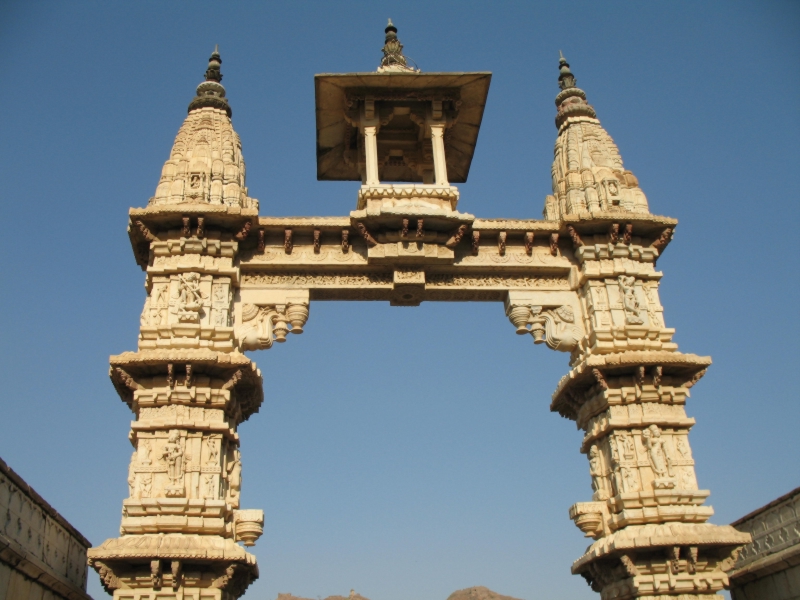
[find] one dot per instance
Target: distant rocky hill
(473, 593)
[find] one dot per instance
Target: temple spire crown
(210, 92)
(565, 78)
(393, 59)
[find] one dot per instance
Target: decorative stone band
(686, 368)
(670, 560)
(225, 565)
(131, 371)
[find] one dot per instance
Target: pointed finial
(565, 78)
(213, 73)
(210, 93)
(571, 100)
(393, 59)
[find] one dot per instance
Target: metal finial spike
(390, 24)
(216, 48)
(561, 55)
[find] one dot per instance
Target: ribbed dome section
(206, 165)
(588, 175)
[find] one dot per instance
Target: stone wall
(769, 567)
(42, 556)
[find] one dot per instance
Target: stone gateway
(222, 280)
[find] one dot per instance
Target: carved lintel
(577, 242)
(628, 565)
(501, 243)
(155, 573)
(201, 227)
(554, 244)
(245, 231)
(362, 229)
(695, 378)
(345, 240)
(674, 554)
(420, 228)
(404, 230)
(170, 375)
(691, 560)
(287, 241)
(177, 575)
(598, 376)
(662, 241)
(640, 372)
(188, 382)
(231, 383)
(261, 240)
(127, 379)
(187, 230)
(476, 241)
(146, 233)
(317, 241)
(613, 234)
(529, 242)
(109, 581)
(455, 239)
(657, 371)
(628, 234)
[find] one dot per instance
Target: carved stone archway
(222, 280)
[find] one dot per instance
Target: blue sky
(403, 452)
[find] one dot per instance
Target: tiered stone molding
(222, 280)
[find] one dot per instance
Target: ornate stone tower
(222, 280)
(188, 385)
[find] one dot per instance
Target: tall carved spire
(393, 59)
(206, 165)
(210, 92)
(588, 175)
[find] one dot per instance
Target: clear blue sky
(403, 452)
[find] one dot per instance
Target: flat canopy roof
(332, 92)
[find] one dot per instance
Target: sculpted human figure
(235, 479)
(213, 453)
(173, 455)
(132, 475)
(595, 470)
(629, 301)
(657, 451)
(190, 298)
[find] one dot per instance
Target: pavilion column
(371, 154)
(439, 163)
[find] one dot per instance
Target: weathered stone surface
(41, 554)
(221, 281)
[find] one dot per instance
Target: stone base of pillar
(190, 567)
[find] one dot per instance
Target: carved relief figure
(630, 480)
(210, 491)
(682, 448)
(629, 301)
(132, 475)
(658, 454)
(234, 479)
(213, 453)
(626, 444)
(144, 452)
(173, 455)
(596, 471)
(190, 298)
(146, 485)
